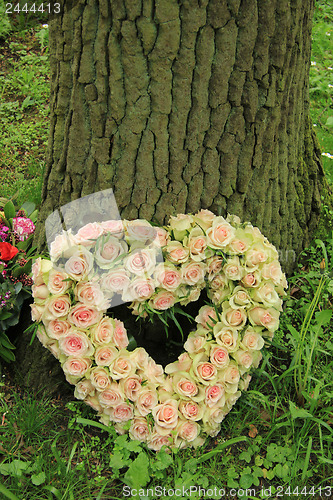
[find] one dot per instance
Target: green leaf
(137, 475)
(38, 479)
(15, 468)
(28, 207)
(324, 317)
(7, 493)
(9, 210)
(4, 340)
(298, 412)
(246, 480)
(329, 121)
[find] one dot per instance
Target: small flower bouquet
(16, 233)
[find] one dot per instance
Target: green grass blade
(7, 493)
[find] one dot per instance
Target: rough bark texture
(182, 105)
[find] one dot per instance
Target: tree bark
(182, 105)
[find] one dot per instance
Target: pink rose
(84, 316)
(146, 400)
(157, 440)
(166, 416)
(219, 356)
(231, 374)
(88, 233)
(195, 343)
(57, 328)
(140, 230)
(115, 227)
(161, 238)
(75, 343)
(139, 429)
(162, 300)
(105, 354)
(243, 358)
(141, 261)
(255, 256)
(191, 410)
(251, 280)
(205, 372)
(120, 335)
(214, 394)
(214, 265)
(233, 269)
(131, 387)
(252, 340)
(168, 276)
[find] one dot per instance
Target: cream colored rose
(155, 372)
(255, 256)
(202, 370)
(79, 264)
(176, 253)
(188, 431)
(115, 281)
(214, 395)
(105, 354)
(214, 265)
(226, 336)
(40, 292)
(131, 387)
(111, 397)
(184, 363)
(195, 343)
(269, 318)
(220, 234)
(267, 294)
(61, 244)
(162, 237)
(56, 307)
(196, 242)
(140, 230)
(90, 294)
(184, 386)
(83, 389)
(141, 261)
(76, 367)
(115, 227)
(36, 312)
(204, 218)
(243, 358)
(146, 400)
(193, 273)
(166, 416)
(240, 298)
(162, 300)
(140, 289)
(57, 328)
(251, 280)
(235, 318)
(56, 282)
(121, 413)
(207, 316)
(180, 225)
(139, 429)
(230, 375)
(102, 333)
(252, 340)
(191, 410)
(157, 440)
(108, 249)
(219, 356)
(120, 335)
(233, 269)
(273, 271)
(140, 358)
(122, 367)
(100, 378)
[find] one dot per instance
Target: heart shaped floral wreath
(183, 403)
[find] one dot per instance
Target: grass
(278, 437)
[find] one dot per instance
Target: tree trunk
(182, 105)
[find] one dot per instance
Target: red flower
(7, 251)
